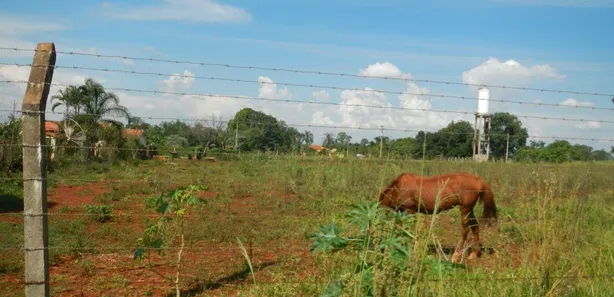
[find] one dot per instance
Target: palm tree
(101, 104)
(308, 138)
(136, 123)
(71, 97)
(329, 140)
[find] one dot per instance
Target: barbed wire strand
(440, 279)
(294, 125)
(127, 215)
(596, 167)
(251, 67)
(215, 248)
(323, 282)
(250, 98)
(176, 181)
(429, 95)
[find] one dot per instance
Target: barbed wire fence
(34, 146)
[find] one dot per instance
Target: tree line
(103, 118)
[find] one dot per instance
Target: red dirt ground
(65, 196)
(12, 217)
(119, 275)
(76, 196)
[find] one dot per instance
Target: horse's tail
(489, 214)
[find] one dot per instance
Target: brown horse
(448, 191)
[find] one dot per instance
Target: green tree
(454, 140)
(601, 155)
(10, 139)
(403, 146)
(528, 154)
(343, 139)
(425, 145)
(558, 151)
(582, 152)
(262, 131)
(176, 141)
(537, 144)
(155, 135)
(501, 124)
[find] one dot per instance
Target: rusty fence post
(35, 173)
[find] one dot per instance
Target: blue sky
(533, 43)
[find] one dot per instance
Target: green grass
(555, 220)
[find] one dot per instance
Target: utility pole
(347, 149)
(381, 141)
(14, 109)
(507, 146)
(237, 135)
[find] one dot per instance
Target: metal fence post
(35, 171)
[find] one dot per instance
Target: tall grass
(554, 236)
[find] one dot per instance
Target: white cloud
(268, 89)
(410, 100)
(575, 103)
(15, 91)
(208, 11)
(321, 95)
(358, 108)
(510, 72)
(207, 107)
(186, 107)
(179, 83)
(128, 62)
(589, 125)
(363, 116)
(318, 118)
(543, 121)
(385, 69)
(220, 106)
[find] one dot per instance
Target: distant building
(135, 134)
(52, 131)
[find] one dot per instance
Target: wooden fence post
(35, 171)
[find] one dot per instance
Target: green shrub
(99, 213)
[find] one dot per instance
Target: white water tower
(481, 140)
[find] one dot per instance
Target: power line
(293, 125)
(427, 110)
(311, 86)
(251, 67)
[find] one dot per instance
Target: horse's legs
(458, 252)
(475, 229)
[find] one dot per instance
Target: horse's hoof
(456, 258)
(472, 256)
